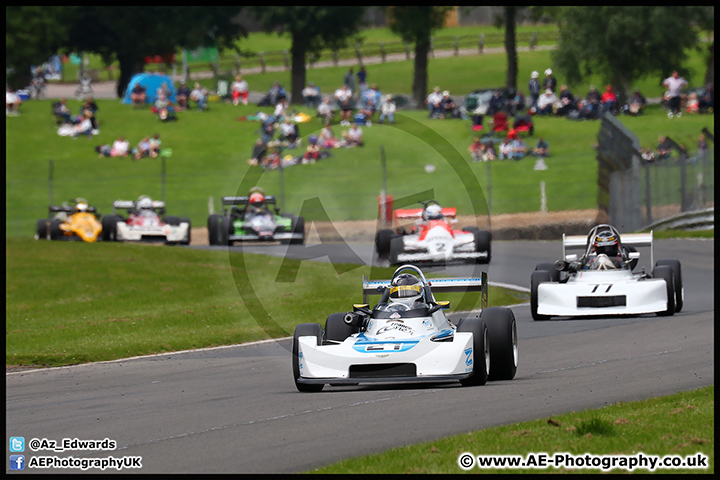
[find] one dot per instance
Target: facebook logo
(17, 462)
(17, 444)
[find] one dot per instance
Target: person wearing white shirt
(545, 102)
(280, 110)
(344, 98)
(388, 110)
(239, 91)
(433, 102)
(674, 84)
(12, 102)
(120, 148)
(354, 136)
(311, 94)
(325, 111)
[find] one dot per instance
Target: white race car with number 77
(407, 337)
(601, 281)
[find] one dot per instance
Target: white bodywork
(388, 341)
(171, 233)
(439, 246)
(598, 287)
(605, 291)
(429, 347)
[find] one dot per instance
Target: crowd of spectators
(149, 146)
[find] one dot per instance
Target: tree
(624, 44)
(129, 34)
(32, 35)
(311, 30)
(508, 19)
(415, 24)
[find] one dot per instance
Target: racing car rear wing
(130, 205)
(634, 239)
(401, 214)
(446, 285)
(269, 199)
(68, 209)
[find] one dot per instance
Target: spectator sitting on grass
(258, 153)
(489, 154)
(447, 105)
(120, 148)
(433, 102)
(663, 148)
(519, 148)
(199, 95)
(327, 138)
(368, 109)
(84, 127)
(325, 111)
(506, 149)
(182, 95)
(142, 149)
(542, 149)
(545, 102)
(62, 111)
(155, 143)
(239, 91)
(312, 152)
(163, 108)
(476, 149)
(289, 133)
(138, 95)
(354, 136)
(311, 94)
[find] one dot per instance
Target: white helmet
(144, 203)
(433, 212)
(534, 74)
(81, 205)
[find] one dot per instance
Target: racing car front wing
(274, 238)
(603, 297)
(168, 233)
(395, 361)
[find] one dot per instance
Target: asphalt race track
(236, 409)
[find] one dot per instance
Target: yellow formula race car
(79, 222)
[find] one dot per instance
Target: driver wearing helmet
(405, 290)
(81, 206)
(144, 206)
(433, 212)
(256, 202)
(607, 247)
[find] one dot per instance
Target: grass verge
(680, 425)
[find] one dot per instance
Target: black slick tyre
(677, 280)
(665, 272)
(304, 330)
(536, 278)
(502, 330)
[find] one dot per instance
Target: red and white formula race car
(432, 239)
(145, 222)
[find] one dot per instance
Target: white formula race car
(145, 223)
(601, 281)
(432, 239)
(407, 337)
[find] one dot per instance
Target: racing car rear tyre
(483, 239)
(226, 226)
(55, 232)
(304, 330)
(536, 278)
(502, 330)
(213, 225)
(42, 229)
(677, 280)
(550, 268)
(172, 220)
(109, 228)
(382, 242)
(666, 273)
(336, 329)
(481, 344)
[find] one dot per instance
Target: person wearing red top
(609, 100)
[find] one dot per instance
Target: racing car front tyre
(481, 351)
(109, 228)
(305, 330)
(677, 280)
(536, 278)
(502, 330)
(213, 226)
(55, 232)
(483, 239)
(41, 230)
(382, 242)
(336, 329)
(666, 273)
(298, 226)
